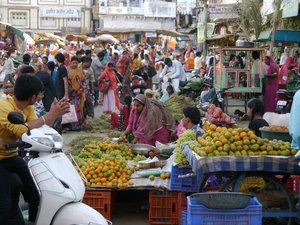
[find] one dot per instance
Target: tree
(250, 17)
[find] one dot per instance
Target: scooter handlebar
(12, 145)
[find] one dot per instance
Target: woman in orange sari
(77, 91)
(136, 63)
(123, 63)
(111, 101)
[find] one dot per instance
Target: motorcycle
(284, 101)
(60, 186)
(213, 96)
(192, 88)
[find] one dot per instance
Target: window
(73, 22)
(18, 18)
(48, 22)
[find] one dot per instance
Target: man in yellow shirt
(27, 89)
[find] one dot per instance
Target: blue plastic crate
(200, 215)
(184, 217)
(183, 184)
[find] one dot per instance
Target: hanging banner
(200, 31)
(74, 12)
(290, 8)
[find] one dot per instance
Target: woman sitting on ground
(149, 121)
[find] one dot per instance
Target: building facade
(136, 20)
(53, 16)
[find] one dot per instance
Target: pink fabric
(284, 69)
(162, 135)
(152, 118)
(109, 103)
(271, 90)
(180, 128)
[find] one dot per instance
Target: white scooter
(60, 186)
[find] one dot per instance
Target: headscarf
(272, 63)
(284, 69)
(153, 116)
(149, 91)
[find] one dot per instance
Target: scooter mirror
(15, 117)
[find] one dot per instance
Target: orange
(219, 129)
(151, 177)
(168, 175)
(213, 127)
(95, 176)
(88, 176)
(130, 183)
(162, 176)
(120, 185)
(243, 134)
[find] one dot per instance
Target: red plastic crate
(292, 183)
(166, 206)
(100, 201)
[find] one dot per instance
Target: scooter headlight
(58, 141)
(44, 141)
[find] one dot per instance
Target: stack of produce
(277, 128)
(104, 164)
(176, 104)
(220, 141)
(216, 115)
(179, 158)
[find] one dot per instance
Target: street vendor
(149, 121)
(191, 120)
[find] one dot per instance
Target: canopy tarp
(171, 33)
(25, 37)
(103, 38)
(38, 36)
(73, 37)
(280, 36)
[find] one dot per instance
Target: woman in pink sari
(284, 70)
(149, 121)
(271, 84)
(111, 101)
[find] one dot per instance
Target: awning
(25, 37)
(103, 38)
(171, 33)
(73, 37)
(280, 36)
(38, 36)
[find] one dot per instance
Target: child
(124, 114)
(255, 110)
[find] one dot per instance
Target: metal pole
(205, 28)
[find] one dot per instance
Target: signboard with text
(74, 12)
(221, 11)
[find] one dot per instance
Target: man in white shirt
(8, 70)
(255, 69)
(50, 57)
(172, 73)
(199, 58)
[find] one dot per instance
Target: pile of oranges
(222, 141)
(104, 164)
(108, 173)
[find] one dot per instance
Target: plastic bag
(70, 117)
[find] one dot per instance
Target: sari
(271, 87)
(153, 123)
(123, 65)
(136, 63)
(77, 81)
(284, 69)
(111, 101)
(36, 66)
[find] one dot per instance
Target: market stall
(48, 38)
(13, 38)
(239, 79)
(240, 161)
(101, 39)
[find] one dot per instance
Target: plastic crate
(183, 184)
(100, 201)
(166, 206)
(184, 217)
(200, 215)
(292, 183)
